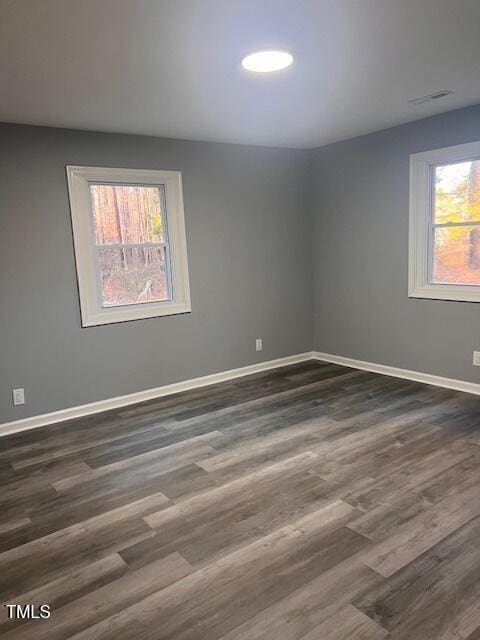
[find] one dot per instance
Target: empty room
(240, 319)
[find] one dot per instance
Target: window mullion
(448, 225)
(132, 245)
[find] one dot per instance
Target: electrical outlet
(18, 397)
(476, 358)
(258, 344)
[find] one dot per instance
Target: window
(130, 246)
(444, 260)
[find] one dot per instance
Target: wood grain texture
(313, 501)
(348, 623)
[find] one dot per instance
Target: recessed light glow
(267, 61)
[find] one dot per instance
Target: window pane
(457, 192)
(127, 214)
(456, 258)
(133, 275)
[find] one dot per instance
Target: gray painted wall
(249, 248)
(265, 229)
(360, 207)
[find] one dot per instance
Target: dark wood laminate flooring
(312, 502)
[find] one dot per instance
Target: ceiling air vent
(431, 96)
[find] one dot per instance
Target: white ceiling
(172, 67)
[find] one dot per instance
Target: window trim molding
(420, 208)
(78, 178)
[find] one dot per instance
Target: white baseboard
(149, 394)
(407, 374)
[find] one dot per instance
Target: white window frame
(79, 180)
(422, 167)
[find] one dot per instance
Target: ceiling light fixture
(267, 61)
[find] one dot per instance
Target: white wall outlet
(18, 397)
(476, 358)
(258, 344)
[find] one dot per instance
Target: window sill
(130, 313)
(458, 293)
